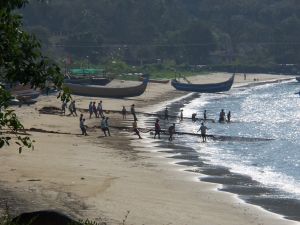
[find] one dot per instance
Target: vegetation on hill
(139, 32)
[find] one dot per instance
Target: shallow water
(269, 111)
(270, 168)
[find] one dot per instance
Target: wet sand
(102, 178)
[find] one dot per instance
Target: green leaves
(22, 62)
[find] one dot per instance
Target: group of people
(104, 125)
(157, 129)
(97, 110)
(222, 117)
(72, 108)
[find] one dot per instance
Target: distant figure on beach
(83, 127)
(245, 76)
(181, 114)
(133, 112)
(228, 116)
(157, 129)
(91, 109)
(107, 127)
(203, 131)
(63, 108)
(194, 117)
(124, 112)
(100, 109)
(222, 116)
(71, 108)
(104, 128)
(95, 109)
(134, 125)
(204, 116)
(166, 114)
(171, 131)
(74, 108)
(80, 118)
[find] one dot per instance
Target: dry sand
(102, 178)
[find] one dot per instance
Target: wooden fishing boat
(154, 81)
(107, 92)
(203, 88)
(89, 80)
(21, 92)
(297, 79)
(26, 94)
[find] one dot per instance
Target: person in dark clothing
(133, 112)
(167, 114)
(222, 116)
(228, 116)
(204, 116)
(171, 131)
(157, 129)
(124, 112)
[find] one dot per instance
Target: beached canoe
(26, 94)
(90, 80)
(107, 92)
(21, 92)
(297, 79)
(154, 81)
(203, 88)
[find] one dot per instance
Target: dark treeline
(262, 31)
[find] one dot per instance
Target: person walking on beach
(228, 116)
(95, 109)
(83, 127)
(166, 114)
(80, 118)
(134, 125)
(74, 108)
(203, 131)
(106, 124)
(63, 108)
(133, 112)
(171, 131)
(204, 116)
(99, 108)
(222, 116)
(124, 112)
(71, 108)
(181, 114)
(104, 128)
(91, 109)
(157, 129)
(245, 76)
(194, 117)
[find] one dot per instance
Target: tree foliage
(238, 25)
(21, 62)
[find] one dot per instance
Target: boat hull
(89, 81)
(106, 92)
(154, 81)
(203, 88)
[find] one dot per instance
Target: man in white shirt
(82, 127)
(100, 109)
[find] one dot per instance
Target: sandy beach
(106, 178)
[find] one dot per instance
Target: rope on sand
(57, 111)
(208, 136)
(162, 117)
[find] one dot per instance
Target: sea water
(270, 111)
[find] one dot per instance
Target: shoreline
(117, 173)
(246, 189)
